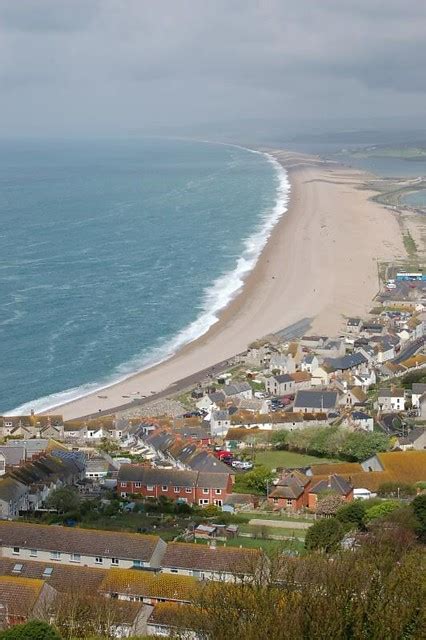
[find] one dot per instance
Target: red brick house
(334, 484)
(194, 487)
(290, 492)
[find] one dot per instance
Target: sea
(115, 253)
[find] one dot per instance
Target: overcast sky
(73, 67)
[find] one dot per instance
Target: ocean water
(113, 254)
(416, 199)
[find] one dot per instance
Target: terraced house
(63, 545)
(193, 487)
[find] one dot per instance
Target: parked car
(242, 465)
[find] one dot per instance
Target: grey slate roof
(346, 362)
(315, 399)
(235, 388)
(14, 455)
(391, 393)
(285, 377)
(418, 388)
(334, 483)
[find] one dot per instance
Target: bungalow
(92, 548)
(280, 385)
(209, 562)
(310, 401)
(390, 400)
(334, 484)
(193, 487)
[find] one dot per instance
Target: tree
(64, 500)
(352, 514)
(419, 508)
(258, 479)
(279, 439)
(380, 510)
(33, 630)
(396, 490)
(360, 445)
(324, 535)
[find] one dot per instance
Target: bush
(33, 630)
(324, 535)
(396, 490)
(352, 514)
(380, 510)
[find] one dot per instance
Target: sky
(119, 67)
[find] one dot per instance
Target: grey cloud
(115, 63)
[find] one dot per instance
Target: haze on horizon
(108, 67)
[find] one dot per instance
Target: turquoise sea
(113, 254)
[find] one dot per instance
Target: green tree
(279, 439)
(419, 508)
(33, 630)
(352, 514)
(324, 535)
(258, 479)
(360, 445)
(64, 499)
(380, 510)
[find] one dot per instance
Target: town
(145, 508)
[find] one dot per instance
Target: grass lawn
(271, 531)
(274, 458)
(269, 546)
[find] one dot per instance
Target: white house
(390, 400)
(417, 390)
(279, 385)
(309, 363)
(220, 424)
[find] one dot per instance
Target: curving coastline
(319, 262)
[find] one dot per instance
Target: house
(389, 400)
(219, 423)
(415, 439)
(350, 362)
(193, 487)
(237, 390)
(353, 325)
(279, 385)
(309, 363)
(23, 600)
(373, 328)
(417, 390)
(313, 342)
(353, 395)
(148, 587)
(321, 376)
(12, 456)
(88, 547)
(166, 621)
(301, 380)
(283, 362)
(385, 350)
(310, 401)
(14, 497)
(209, 562)
(290, 492)
(422, 405)
(362, 420)
(334, 484)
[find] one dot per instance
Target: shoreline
(330, 236)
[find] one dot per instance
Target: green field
(274, 459)
(270, 546)
(262, 531)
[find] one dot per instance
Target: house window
(16, 551)
(123, 494)
(201, 501)
(218, 503)
(176, 489)
(115, 562)
(75, 557)
(275, 500)
(47, 572)
(205, 491)
(55, 555)
(188, 490)
(174, 571)
(289, 502)
(138, 485)
(164, 487)
(137, 564)
(17, 568)
(99, 560)
(218, 492)
(150, 487)
(123, 484)
(33, 553)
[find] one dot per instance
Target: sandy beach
(320, 262)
